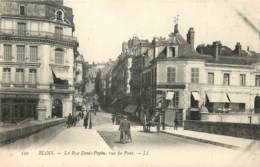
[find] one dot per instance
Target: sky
(102, 25)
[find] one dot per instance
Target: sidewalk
(78, 138)
(219, 140)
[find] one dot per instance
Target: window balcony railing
(59, 87)
(17, 85)
(37, 34)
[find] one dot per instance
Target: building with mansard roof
(36, 59)
(206, 83)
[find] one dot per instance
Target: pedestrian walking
(175, 124)
(69, 121)
(124, 129)
(85, 122)
(74, 120)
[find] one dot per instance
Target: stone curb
(21, 132)
(204, 141)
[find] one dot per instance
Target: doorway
(57, 110)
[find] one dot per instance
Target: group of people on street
(72, 120)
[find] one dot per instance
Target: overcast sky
(102, 25)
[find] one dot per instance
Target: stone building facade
(78, 82)
(36, 59)
(214, 83)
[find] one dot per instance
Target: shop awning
(58, 79)
(196, 95)
(130, 108)
(237, 98)
(169, 95)
(217, 97)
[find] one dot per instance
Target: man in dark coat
(86, 120)
(69, 121)
(124, 128)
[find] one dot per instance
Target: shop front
(16, 108)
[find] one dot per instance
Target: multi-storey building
(125, 76)
(218, 80)
(36, 59)
(78, 81)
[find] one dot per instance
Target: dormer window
(22, 10)
(59, 15)
(172, 51)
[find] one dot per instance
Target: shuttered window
(59, 56)
(19, 76)
(33, 53)
(6, 75)
(20, 53)
(32, 76)
(7, 52)
(171, 75)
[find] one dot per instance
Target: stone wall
(231, 117)
(19, 132)
(249, 131)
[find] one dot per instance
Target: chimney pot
(216, 49)
(238, 49)
(191, 37)
(176, 29)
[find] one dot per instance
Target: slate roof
(228, 56)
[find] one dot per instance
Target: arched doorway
(257, 104)
(57, 108)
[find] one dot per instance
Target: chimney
(176, 29)
(216, 49)
(238, 49)
(191, 37)
(155, 43)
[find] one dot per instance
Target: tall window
(194, 75)
(6, 75)
(226, 79)
(22, 10)
(33, 53)
(59, 56)
(257, 80)
(7, 52)
(242, 79)
(19, 76)
(171, 74)
(32, 76)
(21, 27)
(211, 78)
(58, 32)
(20, 53)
